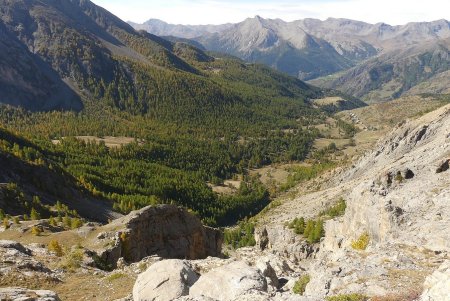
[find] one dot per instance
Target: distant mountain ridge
(311, 48)
(161, 28)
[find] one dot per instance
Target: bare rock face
(18, 262)
(268, 271)
(437, 285)
(28, 295)
(229, 282)
(164, 230)
(164, 281)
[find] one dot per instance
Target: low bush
(362, 242)
(55, 247)
(73, 260)
(300, 284)
(241, 236)
(115, 276)
(312, 230)
(336, 210)
(36, 230)
(348, 297)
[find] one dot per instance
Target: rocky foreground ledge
(397, 203)
(167, 231)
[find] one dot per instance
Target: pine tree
(6, 223)
(309, 228)
(34, 215)
(52, 221)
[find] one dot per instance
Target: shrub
(73, 260)
(34, 215)
(399, 178)
(317, 233)
(336, 210)
(67, 221)
(300, 284)
(298, 224)
(16, 220)
(55, 247)
(115, 276)
(348, 297)
(242, 236)
(125, 245)
(36, 230)
(76, 223)
(52, 221)
(6, 223)
(362, 242)
(312, 230)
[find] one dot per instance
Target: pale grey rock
(164, 230)
(199, 298)
(164, 281)
(261, 238)
(10, 244)
(22, 294)
(437, 285)
(229, 282)
(267, 270)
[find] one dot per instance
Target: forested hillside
(197, 118)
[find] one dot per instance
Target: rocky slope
(398, 195)
(414, 69)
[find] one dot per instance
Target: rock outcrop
(165, 281)
(229, 282)
(437, 285)
(15, 293)
(18, 262)
(164, 230)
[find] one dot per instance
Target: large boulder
(164, 230)
(263, 264)
(15, 293)
(164, 281)
(229, 282)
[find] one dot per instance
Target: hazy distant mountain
(275, 43)
(162, 28)
(312, 48)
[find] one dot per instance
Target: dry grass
(411, 295)
(33, 282)
(92, 287)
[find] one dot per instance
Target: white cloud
(217, 12)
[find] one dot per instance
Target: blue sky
(393, 12)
